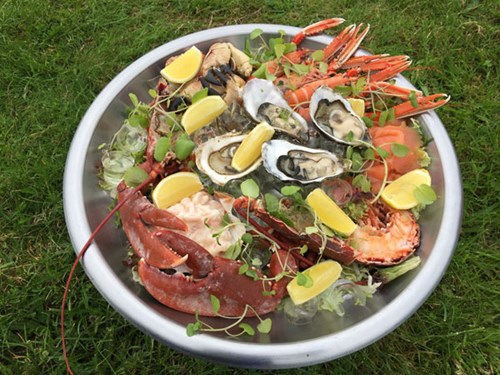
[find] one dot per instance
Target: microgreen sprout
(264, 325)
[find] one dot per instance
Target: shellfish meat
(334, 117)
(291, 162)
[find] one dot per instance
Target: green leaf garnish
(247, 328)
(252, 274)
(265, 326)
(192, 328)
(413, 99)
(290, 190)
(318, 55)
(311, 230)
(359, 86)
(250, 188)
(368, 121)
(357, 161)
(134, 176)
(215, 303)
(199, 95)
(256, 33)
(272, 203)
(133, 99)
(243, 268)
(383, 154)
(344, 90)
(152, 93)
(162, 146)
(362, 182)
(184, 147)
(279, 50)
(399, 149)
(304, 280)
(247, 238)
(425, 194)
(233, 251)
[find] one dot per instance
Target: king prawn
(220, 227)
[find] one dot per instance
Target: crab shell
(335, 119)
(291, 162)
(214, 158)
(264, 102)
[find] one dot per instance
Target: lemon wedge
(329, 213)
(172, 189)
(183, 68)
(400, 193)
(251, 146)
(202, 113)
(358, 106)
(323, 275)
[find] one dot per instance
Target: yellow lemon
(172, 189)
(329, 213)
(250, 149)
(358, 106)
(184, 67)
(202, 113)
(323, 275)
(400, 193)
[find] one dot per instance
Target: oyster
(291, 162)
(265, 102)
(214, 158)
(334, 117)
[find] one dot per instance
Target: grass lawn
(56, 56)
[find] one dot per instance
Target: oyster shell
(291, 162)
(214, 158)
(334, 117)
(265, 102)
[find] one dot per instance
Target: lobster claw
(192, 294)
(140, 219)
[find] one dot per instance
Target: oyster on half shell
(265, 102)
(291, 162)
(214, 158)
(335, 119)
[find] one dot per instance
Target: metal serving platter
(328, 336)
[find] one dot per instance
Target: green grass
(55, 57)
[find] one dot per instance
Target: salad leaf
(265, 325)
(425, 194)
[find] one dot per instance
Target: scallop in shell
(291, 162)
(265, 102)
(214, 158)
(334, 117)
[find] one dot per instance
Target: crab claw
(223, 280)
(316, 28)
(140, 219)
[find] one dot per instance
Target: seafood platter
(281, 195)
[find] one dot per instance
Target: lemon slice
(172, 189)
(329, 213)
(250, 149)
(322, 274)
(400, 193)
(184, 67)
(202, 113)
(358, 106)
